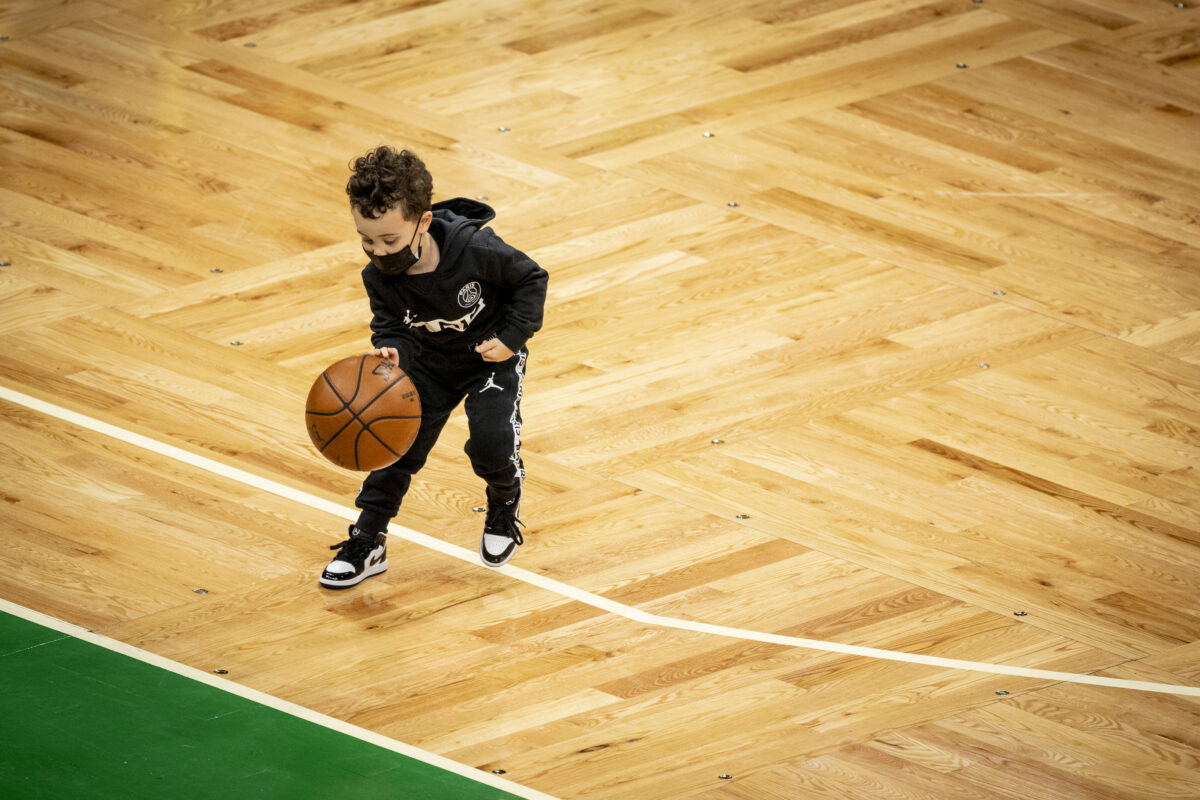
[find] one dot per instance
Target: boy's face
(390, 232)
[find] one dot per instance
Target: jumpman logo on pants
(491, 384)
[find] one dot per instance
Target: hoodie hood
(455, 221)
(472, 211)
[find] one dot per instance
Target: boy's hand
(387, 354)
(494, 350)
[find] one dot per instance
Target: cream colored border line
(306, 714)
(566, 590)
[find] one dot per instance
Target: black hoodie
(481, 288)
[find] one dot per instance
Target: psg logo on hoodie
(469, 294)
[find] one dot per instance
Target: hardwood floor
(871, 322)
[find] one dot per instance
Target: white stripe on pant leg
(514, 420)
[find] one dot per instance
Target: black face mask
(399, 262)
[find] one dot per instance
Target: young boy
(453, 305)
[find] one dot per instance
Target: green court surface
(82, 721)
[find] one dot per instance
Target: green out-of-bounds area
(81, 721)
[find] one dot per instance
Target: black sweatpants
(493, 404)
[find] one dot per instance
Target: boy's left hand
(494, 350)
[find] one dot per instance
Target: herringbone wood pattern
(927, 270)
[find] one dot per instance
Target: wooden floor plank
(902, 355)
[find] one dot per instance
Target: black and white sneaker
(501, 532)
(359, 557)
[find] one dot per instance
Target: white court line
(270, 701)
(566, 590)
(952, 193)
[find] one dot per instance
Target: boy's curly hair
(384, 179)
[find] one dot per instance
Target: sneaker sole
(333, 583)
(487, 563)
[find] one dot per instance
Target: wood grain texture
(899, 348)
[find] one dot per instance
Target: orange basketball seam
(352, 448)
(366, 426)
(345, 407)
(354, 415)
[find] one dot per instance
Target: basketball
(363, 413)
